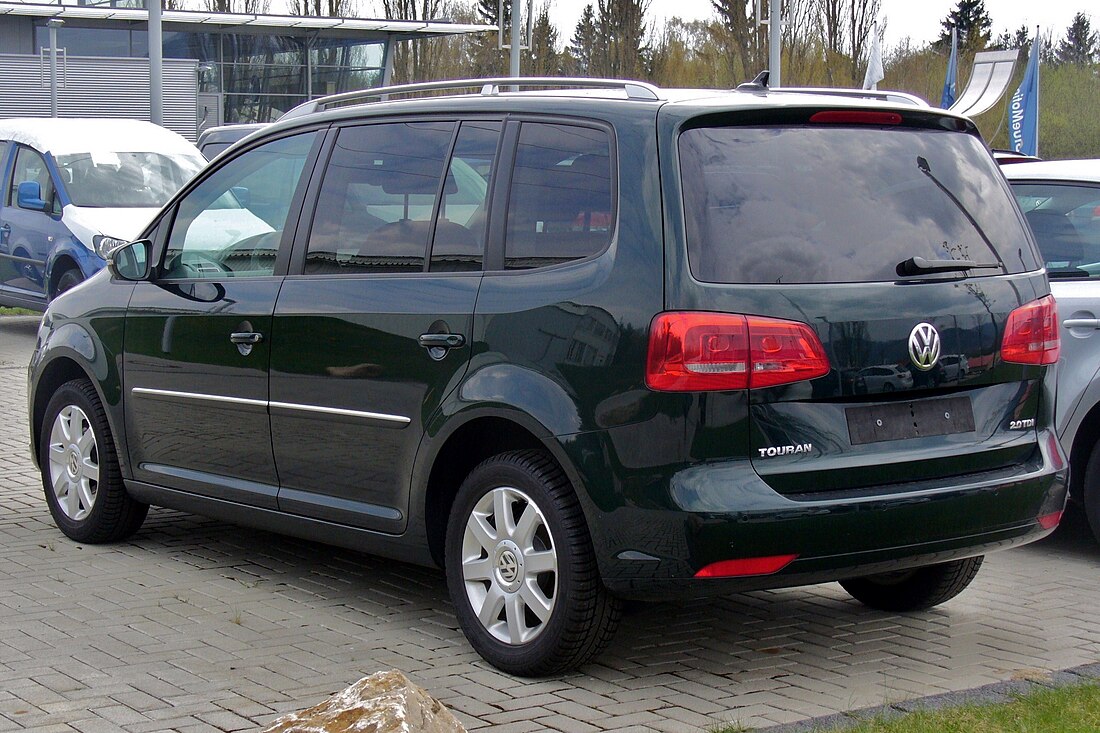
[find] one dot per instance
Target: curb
(997, 692)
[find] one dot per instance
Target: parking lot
(197, 625)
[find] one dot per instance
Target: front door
(374, 332)
(199, 336)
(28, 234)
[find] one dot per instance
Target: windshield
(1066, 221)
(125, 180)
(827, 203)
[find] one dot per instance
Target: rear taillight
(1031, 334)
(699, 351)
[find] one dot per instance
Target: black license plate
(902, 420)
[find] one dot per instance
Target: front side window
(31, 166)
(231, 224)
(374, 210)
(829, 203)
(560, 205)
(1065, 219)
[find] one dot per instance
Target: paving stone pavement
(196, 626)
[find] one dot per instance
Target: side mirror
(242, 194)
(131, 261)
(29, 196)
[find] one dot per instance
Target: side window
(231, 224)
(374, 210)
(31, 166)
(560, 206)
(460, 228)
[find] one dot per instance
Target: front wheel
(914, 590)
(80, 471)
(521, 570)
(69, 280)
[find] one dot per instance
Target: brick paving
(196, 626)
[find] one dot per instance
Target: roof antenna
(759, 84)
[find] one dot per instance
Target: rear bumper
(724, 511)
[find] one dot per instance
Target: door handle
(247, 337)
(442, 340)
(1081, 323)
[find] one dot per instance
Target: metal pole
(517, 37)
(775, 34)
(53, 25)
(156, 64)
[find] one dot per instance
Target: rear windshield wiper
(921, 266)
(926, 169)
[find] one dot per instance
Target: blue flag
(951, 83)
(1023, 112)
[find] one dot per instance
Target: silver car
(1061, 201)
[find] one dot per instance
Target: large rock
(385, 702)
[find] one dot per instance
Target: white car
(74, 189)
(1061, 201)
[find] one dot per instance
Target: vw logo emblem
(924, 346)
(508, 567)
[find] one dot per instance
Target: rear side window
(1066, 221)
(560, 205)
(812, 204)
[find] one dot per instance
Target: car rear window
(1066, 221)
(812, 204)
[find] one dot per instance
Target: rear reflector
(855, 117)
(746, 566)
(1031, 334)
(1050, 521)
(699, 351)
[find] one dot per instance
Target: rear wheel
(1090, 494)
(521, 570)
(80, 471)
(914, 590)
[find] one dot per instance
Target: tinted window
(230, 225)
(375, 207)
(835, 204)
(1066, 221)
(460, 228)
(31, 166)
(560, 205)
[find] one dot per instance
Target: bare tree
(248, 7)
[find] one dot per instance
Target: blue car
(74, 189)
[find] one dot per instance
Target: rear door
(372, 328)
(899, 245)
(1065, 217)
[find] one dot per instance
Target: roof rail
(489, 87)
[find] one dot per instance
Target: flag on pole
(874, 62)
(951, 83)
(1023, 112)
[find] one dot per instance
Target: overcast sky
(918, 19)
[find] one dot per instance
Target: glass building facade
(260, 76)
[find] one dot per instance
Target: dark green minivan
(576, 345)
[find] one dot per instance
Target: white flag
(874, 62)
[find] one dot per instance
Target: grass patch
(1070, 709)
(5, 311)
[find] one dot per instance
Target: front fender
(70, 249)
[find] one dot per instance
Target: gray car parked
(1061, 201)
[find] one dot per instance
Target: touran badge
(924, 346)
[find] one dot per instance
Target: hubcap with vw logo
(924, 346)
(510, 565)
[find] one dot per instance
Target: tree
(1020, 38)
(543, 59)
(744, 39)
(1079, 45)
(973, 23)
(322, 8)
(620, 33)
(249, 7)
(582, 47)
(412, 60)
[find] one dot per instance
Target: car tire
(80, 469)
(521, 569)
(68, 280)
(914, 590)
(1090, 491)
